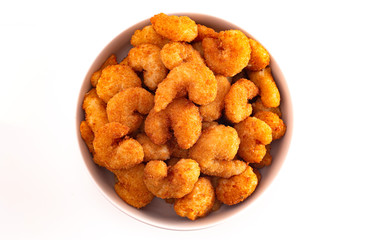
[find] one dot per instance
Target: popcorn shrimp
(96, 75)
(275, 123)
(148, 35)
(260, 58)
(87, 135)
(95, 110)
(196, 79)
(266, 161)
(228, 54)
(175, 150)
(152, 151)
(171, 182)
(258, 106)
(205, 32)
(145, 58)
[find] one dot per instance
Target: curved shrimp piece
(258, 106)
(175, 53)
(175, 150)
(269, 91)
(199, 202)
(146, 58)
(215, 150)
(131, 187)
(254, 134)
(152, 151)
(148, 35)
(260, 58)
(213, 110)
(266, 161)
(228, 54)
(114, 153)
(237, 188)
(195, 79)
(95, 110)
(96, 75)
(171, 182)
(128, 106)
(175, 28)
(184, 119)
(87, 135)
(275, 123)
(205, 32)
(236, 106)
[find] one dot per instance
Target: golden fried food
(269, 92)
(114, 79)
(129, 106)
(260, 58)
(195, 79)
(182, 116)
(113, 151)
(175, 150)
(228, 54)
(217, 204)
(205, 32)
(87, 135)
(206, 125)
(237, 188)
(258, 106)
(275, 123)
(175, 28)
(215, 150)
(146, 58)
(266, 161)
(235, 102)
(95, 110)
(213, 110)
(152, 151)
(198, 46)
(131, 187)
(96, 75)
(148, 35)
(199, 202)
(175, 53)
(171, 182)
(254, 134)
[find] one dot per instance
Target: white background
(46, 49)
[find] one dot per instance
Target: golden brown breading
(266, 161)
(95, 110)
(275, 123)
(152, 151)
(205, 32)
(87, 135)
(260, 58)
(96, 75)
(258, 106)
(148, 35)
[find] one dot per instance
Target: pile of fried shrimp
(188, 116)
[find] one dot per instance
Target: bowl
(159, 213)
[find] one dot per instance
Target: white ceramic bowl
(158, 213)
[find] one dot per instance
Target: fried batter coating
(275, 123)
(87, 135)
(113, 152)
(175, 53)
(96, 75)
(131, 187)
(198, 203)
(269, 92)
(237, 188)
(236, 106)
(266, 161)
(175, 150)
(184, 119)
(228, 54)
(175, 28)
(254, 134)
(171, 182)
(215, 150)
(213, 110)
(128, 106)
(260, 58)
(152, 151)
(196, 79)
(95, 110)
(206, 125)
(205, 32)
(146, 58)
(148, 35)
(114, 79)
(258, 106)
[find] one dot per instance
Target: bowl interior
(159, 213)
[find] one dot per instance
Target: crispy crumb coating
(266, 161)
(258, 106)
(175, 150)
(260, 58)
(96, 75)
(205, 32)
(275, 123)
(148, 35)
(152, 151)
(87, 135)
(95, 110)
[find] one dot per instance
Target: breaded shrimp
(131, 187)
(175, 53)
(148, 35)
(254, 134)
(215, 150)
(171, 182)
(206, 125)
(196, 79)
(184, 119)
(205, 32)
(145, 58)
(266, 161)
(96, 75)
(235, 102)
(199, 202)
(175, 150)
(114, 79)
(213, 110)
(112, 151)
(277, 125)
(258, 106)
(128, 106)
(237, 188)
(269, 92)
(175, 28)
(87, 135)
(152, 151)
(95, 110)
(228, 54)
(260, 58)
